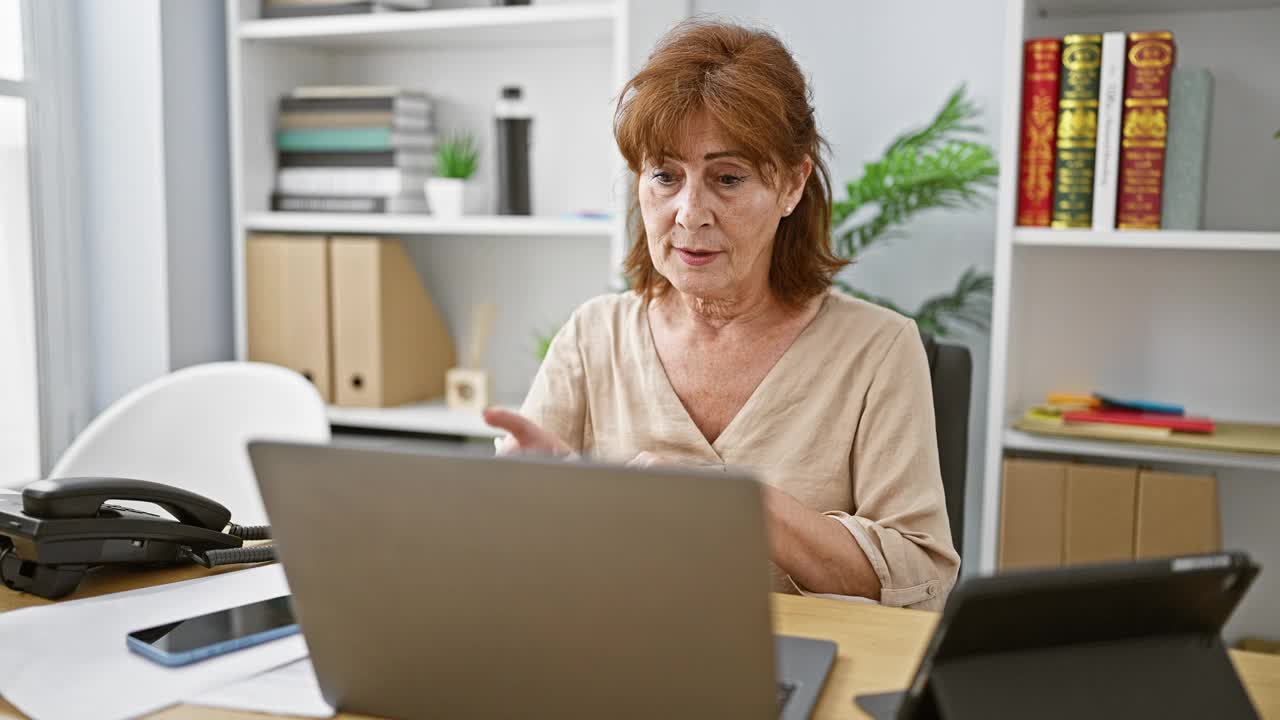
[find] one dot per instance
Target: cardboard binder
(287, 305)
(390, 345)
(1177, 515)
(1032, 513)
(1099, 514)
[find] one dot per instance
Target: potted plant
(942, 165)
(456, 160)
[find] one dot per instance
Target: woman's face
(711, 218)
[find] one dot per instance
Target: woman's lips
(697, 258)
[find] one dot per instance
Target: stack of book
(307, 8)
(358, 148)
(1110, 417)
(1112, 135)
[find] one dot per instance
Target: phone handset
(84, 497)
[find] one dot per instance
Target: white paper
(69, 661)
(289, 690)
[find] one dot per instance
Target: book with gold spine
(1041, 72)
(1077, 131)
(1145, 129)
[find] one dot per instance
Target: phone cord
(250, 532)
(233, 556)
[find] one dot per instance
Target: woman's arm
(816, 550)
(899, 520)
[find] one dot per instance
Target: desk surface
(879, 647)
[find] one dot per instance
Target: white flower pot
(446, 196)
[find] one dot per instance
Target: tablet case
(1181, 672)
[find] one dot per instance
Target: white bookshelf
(1136, 451)
(1179, 316)
(1129, 311)
(374, 224)
(1069, 8)
(570, 57)
(432, 418)
(1208, 240)
(570, 23)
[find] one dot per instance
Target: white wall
(879, 68)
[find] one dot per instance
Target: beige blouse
(843, 422)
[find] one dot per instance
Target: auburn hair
(751, 87)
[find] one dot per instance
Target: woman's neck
(720, 313)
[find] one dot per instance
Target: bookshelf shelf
(1148, 239)
(1030, 442)
(429, 417)
(494, 226)
(1126, 7)
(551, 25)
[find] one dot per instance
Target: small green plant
(543, 340)
(457, 157)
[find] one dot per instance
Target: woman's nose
(692, 210)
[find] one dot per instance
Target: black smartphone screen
(218, 627)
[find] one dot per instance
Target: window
(44, 397)
(19, 402)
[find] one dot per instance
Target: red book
(1145, 129)
(1041, 73)
(1177, 423)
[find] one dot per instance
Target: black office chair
(951, 371)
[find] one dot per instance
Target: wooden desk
(879, 647)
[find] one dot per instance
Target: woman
(733, 349)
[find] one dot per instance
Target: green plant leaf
(937, 166)
(457, 156)
(968, 304)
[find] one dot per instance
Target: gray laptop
(453, 586)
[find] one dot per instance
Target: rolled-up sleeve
(899, 517)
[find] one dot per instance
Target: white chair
(190, 430)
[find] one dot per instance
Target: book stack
(308, 8)
(1106, 416)
(359, 148)
(1097, 135)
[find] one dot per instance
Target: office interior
(1104, 389)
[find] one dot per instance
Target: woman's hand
(526, 435)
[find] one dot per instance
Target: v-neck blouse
(843, 422)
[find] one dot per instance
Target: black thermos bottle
(515, 128)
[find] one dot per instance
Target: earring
(788, 212)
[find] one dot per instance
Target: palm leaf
(969, 304)
(937, 166)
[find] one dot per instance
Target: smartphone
(216, 633)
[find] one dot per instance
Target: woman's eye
(663, 177)
(729, 180)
